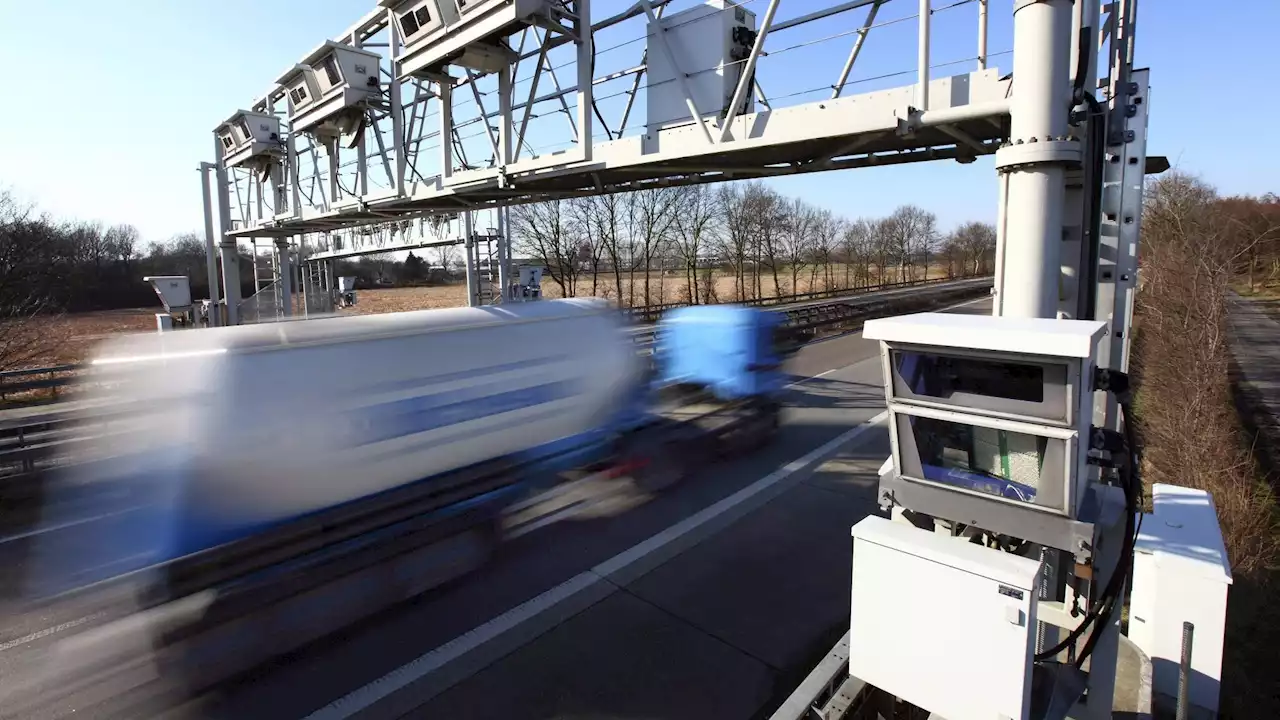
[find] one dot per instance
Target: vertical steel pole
(398, 139)
(294, 177)
(334, 188)
(445, 93)
(922, 86)
(210, 252)
(982, 34)
(504, 256)
(468, 247)
(286, 276)
(227, 245)
(1184, 671)
(505, 126)
(1036, 158)
(585, 60)
(362, 164)
(1077, 233)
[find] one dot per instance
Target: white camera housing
(436, 33)
(990, 419)
(331, 87)
(250, 138)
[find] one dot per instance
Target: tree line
(697, 244)
(734, 242)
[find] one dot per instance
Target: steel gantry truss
(533, 103)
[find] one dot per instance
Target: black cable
(1082, 64)
(1106, 604)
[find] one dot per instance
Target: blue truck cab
(732, 352)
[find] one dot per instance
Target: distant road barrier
(651, 312)
(14, 382)
(28, 444)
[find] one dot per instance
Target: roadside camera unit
(469, 33)
(330, 89)
(251, 139)
(990, 420)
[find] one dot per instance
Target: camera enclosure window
(987, 409)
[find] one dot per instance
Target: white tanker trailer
(290, 478)
(234, 430)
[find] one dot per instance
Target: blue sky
(141, 83)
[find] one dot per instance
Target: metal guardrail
(27, 442)
(43, 378)
(651, 312)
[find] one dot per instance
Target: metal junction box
(944, 624)
(329, 89)
(990, 419)
(708, 46)
(1181, 574)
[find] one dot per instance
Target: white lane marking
(365, 697)
(47, 632)
(68, 524)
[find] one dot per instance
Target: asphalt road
(710, 599)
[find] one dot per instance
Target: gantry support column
(1033, 164)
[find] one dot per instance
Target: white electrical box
(942, 623)
(174, 291)
(463, 32)
(329, 90)
(708, 45)
(250, 138)
(1181, 574)
(996, 408)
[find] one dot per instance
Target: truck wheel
(662, 465)
(772, 421)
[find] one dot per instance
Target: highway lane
(837, 390)
(706, 632)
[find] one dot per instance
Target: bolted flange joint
(1038, 151)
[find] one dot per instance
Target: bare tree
(910, 231)
(653, 214)
(826, 238)
(592, 246)
(603, 219)
(696, 219)
(799, 222)
(885, 242)
(857, 247)
(976, 241)
(446, 255)
(545, 231)
(739, 228)
(35, 259)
